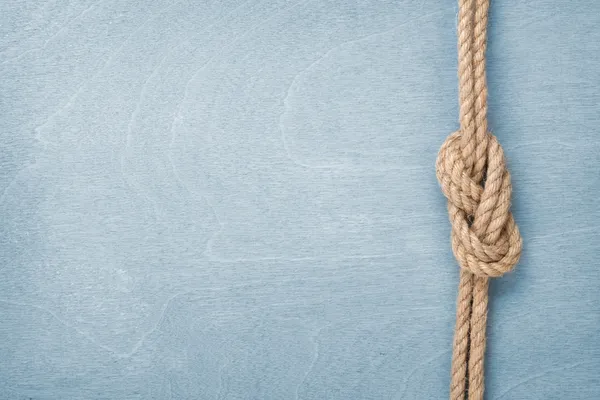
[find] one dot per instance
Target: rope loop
(485, 238)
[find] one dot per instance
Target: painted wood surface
(237, 200)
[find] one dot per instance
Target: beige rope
(472, 172)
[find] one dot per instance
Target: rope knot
(485, 237)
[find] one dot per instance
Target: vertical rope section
(472, 172)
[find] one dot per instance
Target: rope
(472, 172)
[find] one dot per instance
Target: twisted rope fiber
(472, 172)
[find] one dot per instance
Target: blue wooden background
(237, 200)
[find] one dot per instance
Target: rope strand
(472, 173)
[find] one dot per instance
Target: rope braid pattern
(472, 172)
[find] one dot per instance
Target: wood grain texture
(237, 200)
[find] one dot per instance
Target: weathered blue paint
(237, 200)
